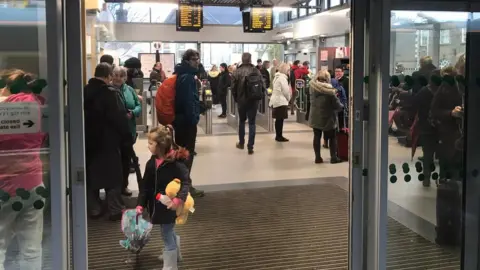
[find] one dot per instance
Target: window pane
(294, 14)
(302, 12)
(177, 48)
(136, 12)
(25, 227)
(217, 53)
(334, 3)
(125, 50)
(264, 51)
(164, 13)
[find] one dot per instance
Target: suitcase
(342, 144)
(449, 207)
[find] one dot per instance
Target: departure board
(190, 17)
(261, 19)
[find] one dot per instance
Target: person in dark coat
(324, 108)
(188, 107)
(134, 70)
(447, 113)
(422, 76)
(224, 83)
(428, 136)
(106, 130)
(213, 80)
(157, 74)
(266, 74)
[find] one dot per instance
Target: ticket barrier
(302, 101)
(205, 96)
(143, 123)
(264, 114)
(232, 119)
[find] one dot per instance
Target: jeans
(186, 136)
(247, 111)
(331, 136)
(26, 226)
(169, 236)
(279, 128)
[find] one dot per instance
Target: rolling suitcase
(449, 207)
(342, 142)
(342, 139)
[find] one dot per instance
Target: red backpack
(165, 101)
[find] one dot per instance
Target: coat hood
(280, 75)
(185, 68)
(180, 154)
(213, 74)
(323, 88)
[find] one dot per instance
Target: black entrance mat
(296, 227)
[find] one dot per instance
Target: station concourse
(405, 196)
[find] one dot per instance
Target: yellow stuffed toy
(188, 206)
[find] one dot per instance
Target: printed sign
(19, 118)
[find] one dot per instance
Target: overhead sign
(190, 17)
(261, 19)
(20, 117)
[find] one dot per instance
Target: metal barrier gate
(143, 124)
(205, 97)
(303, 100)
(264, 114)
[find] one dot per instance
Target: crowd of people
(427, 108)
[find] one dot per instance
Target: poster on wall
(168, 63)
(148, 61)
(323, 55)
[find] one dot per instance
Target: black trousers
(279, 128)
(331, 136)
(114, 201)
(129, 160)
(429, 147)
(186, 136)
(223, 102)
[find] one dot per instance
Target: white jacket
(281, 93)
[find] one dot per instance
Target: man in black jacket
(106, 132)
(247, 109)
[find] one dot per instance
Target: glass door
(419, 208)
(33, 227)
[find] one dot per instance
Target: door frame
(75, 23)
(56, 132)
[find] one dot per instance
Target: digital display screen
(261, 18)
(190, 17)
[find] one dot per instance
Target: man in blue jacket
(187, 107)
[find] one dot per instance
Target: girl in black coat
(166, 164)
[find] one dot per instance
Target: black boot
(196, 193)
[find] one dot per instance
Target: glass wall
(25, 230)
(264, 51)
(425, 139)
(217, 53)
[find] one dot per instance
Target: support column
(369, 122)
(434, 45)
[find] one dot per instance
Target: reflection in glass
(425, 127)
(24, 162)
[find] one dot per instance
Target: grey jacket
(238, 82)
(324, 106)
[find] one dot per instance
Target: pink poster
(324, 55)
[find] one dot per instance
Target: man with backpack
(248, 89)
(177, 104)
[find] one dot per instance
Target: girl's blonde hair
(448, 71)
(284, 68)
(163, 136)
(323, 76)
(460, 65)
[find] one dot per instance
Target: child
(166, 164)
